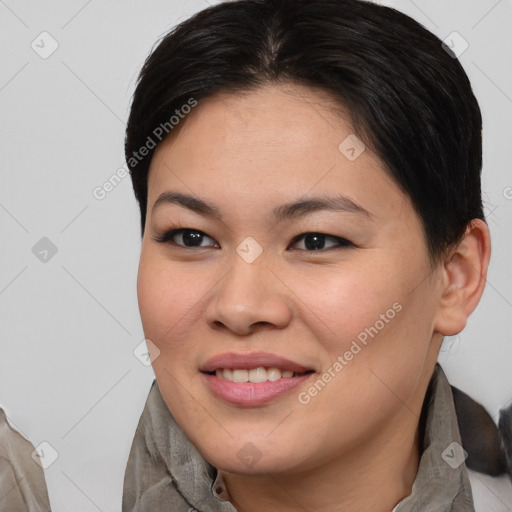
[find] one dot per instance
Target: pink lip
(251, 394)
(236, 361)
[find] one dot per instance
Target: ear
(463, 279)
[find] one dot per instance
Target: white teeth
(240, 375)
(255, 375)
(273, 374)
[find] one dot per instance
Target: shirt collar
(442, 482)
(161, 450)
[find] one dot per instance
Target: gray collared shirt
(166, 472)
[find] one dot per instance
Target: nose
(250, 297)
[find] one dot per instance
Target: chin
(245, 457)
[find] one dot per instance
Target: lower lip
(250, 394)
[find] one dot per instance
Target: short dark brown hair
(409, 99)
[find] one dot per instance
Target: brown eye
(188, 237)
(317, 241)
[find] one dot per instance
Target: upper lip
(236, 361)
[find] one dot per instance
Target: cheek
(348, 305)
(369, 317)
(165, 296)
(377, 333)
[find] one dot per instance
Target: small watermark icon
(507, 193)
(45, 454)
(249, 249)
(249, 454)
(44, 45)
(44, 250)
(146, 352)
(455, 45)
(352, 147)
(454, 455)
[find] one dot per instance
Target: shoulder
(491, 493)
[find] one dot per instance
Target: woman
(308, 176)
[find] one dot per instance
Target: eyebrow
(281, 213)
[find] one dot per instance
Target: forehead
(285, 120)
(264, 146)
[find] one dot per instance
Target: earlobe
(464, 278)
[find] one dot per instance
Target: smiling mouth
(256, 375)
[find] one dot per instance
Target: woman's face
(350, 308)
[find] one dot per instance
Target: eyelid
(304, 229)
(165, 237)
(344, 242)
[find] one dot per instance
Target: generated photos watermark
(343, 360)
(157, 135)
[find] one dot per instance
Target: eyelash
(166, 237)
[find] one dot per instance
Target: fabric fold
(164, 470)
(442, 482)
(22, 482)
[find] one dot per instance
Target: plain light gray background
(70, 324)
